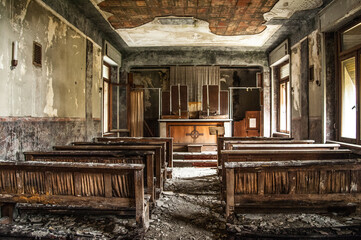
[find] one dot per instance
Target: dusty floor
(190, 208)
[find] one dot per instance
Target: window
(106, 98)
(348, 98)
(284, 98)
(349, 71)
(115, 99)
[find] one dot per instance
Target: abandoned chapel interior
(180, 119)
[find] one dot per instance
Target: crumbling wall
(48, 105)
(314, 87)
(306, 91)
(331, 82)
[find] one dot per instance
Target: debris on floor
(189, 208)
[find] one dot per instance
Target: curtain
(194, 77)
(136, 113)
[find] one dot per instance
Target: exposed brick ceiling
(225, 17)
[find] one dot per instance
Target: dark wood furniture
(106, 157)
(222, 142)
(167, 140)
(192, 131)
(250, 126)
(284, 184)
(179, 97)
(117, 188)
(284, 146)
(210, 100)
(127, 148)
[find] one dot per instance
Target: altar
(188, 132)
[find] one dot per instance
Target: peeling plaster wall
(315, 89)
(190, 57)
(330, 81)
(44, 106)
(307, 97)
(299, 91)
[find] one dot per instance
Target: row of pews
(121, 176)
(281, 173)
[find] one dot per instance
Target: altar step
(195, 159)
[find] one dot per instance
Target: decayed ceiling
(237, 23)
(225, 17)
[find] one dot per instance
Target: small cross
(194, 134)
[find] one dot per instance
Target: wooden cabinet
(250, 126)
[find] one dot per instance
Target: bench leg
(150, 178)
(7, 211)
(229, 192)
(140, 211)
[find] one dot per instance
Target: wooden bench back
(282, 155)
(284, 146)
(222, 142)
(79, 185)
(157, 147)
(109, 157)
(159, 160)
(335, 180)
(167, 140)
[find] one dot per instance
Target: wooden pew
(222, 142)
(167, 140)
(159, 166)
(228, 144)
(118, 188)
(284, 146)
(281, 184)
(162, 152)
(106, 157)
(280, 155)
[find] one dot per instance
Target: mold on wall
(189, 57)
(238, 77)
(41, 106)
(315, 89)
(243, 100)
(97, 82)
(56, 89)
(18, 135)
(152, 78)
(299, 91)
(296, 81)
(330, 81)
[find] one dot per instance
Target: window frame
(109, 107)
(281, 81)
(342, 56)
